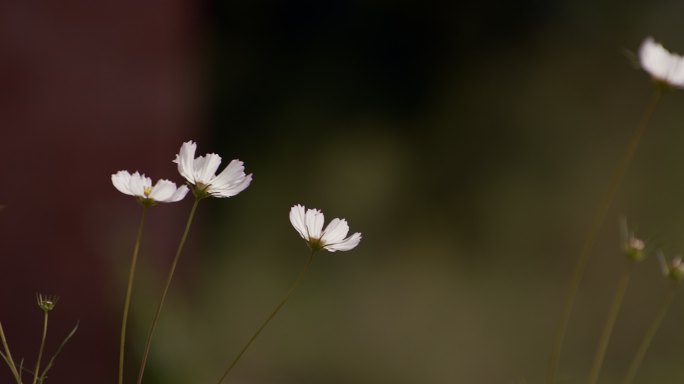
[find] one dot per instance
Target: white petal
(205, 167)
(121, 180)
(179, 194)
(346, 244)
(298, 220)
(138, 183)
(677, 73)
(185, 159)
(654, 58)
(162, 191)
(232, 174)
(314, 223)
(230, 190)
(661, 64)
(335, 231)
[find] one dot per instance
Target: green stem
(8, 357)
(174, 263)
(597, 222)
(42, 346)
(129, 291)
(646, 342)
(277, 309)
(610, 322)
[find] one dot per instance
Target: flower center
(316, 244)
(147, 191)
(200, 190)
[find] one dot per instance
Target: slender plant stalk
(129, 291)
(646, 342)
(42, 346)
(51, 362)
(148, 343)
(8, 357)
(597, 222)
(277, 309)
(610, 322)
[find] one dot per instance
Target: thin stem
(277, 309)
(129, 291)
(597, 222)
(646, 342)
(174, 263)
(610, 322)
(51, 362)
(42, 346)
(8, 357)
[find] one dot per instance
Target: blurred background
(469, 143)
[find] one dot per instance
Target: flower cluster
(202, 179)
(200, 174)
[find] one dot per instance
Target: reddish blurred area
(87, 88)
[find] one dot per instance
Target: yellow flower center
(147, 191)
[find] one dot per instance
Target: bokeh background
(470, 144)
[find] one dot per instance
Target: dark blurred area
(470, 144)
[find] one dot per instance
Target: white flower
(141, 187)
(663, 66)
(309, 224)
(201, 173)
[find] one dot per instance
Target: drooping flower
(309, 224)
(200, 172)
(666, 68)
(164, 191)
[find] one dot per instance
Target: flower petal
(654, 58)
(661, 64)
(185, 159)
(162, 191)
(346, 244)
(138, 183)
(232, 174)
(335, 231)
(231, 190)
(314, 223)
(121, 180)
(677, 73)
(298, 220)
(205, 168)
(179, 194)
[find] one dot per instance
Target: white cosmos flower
(201, 173)
(141, 187)
(663, 66)
(309, 224)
